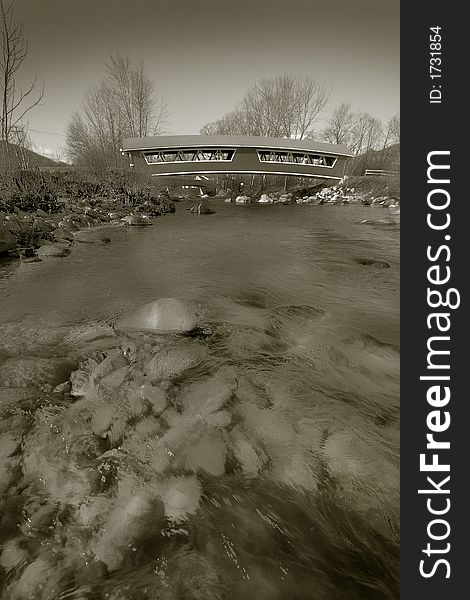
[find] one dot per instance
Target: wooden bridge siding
(245, 160)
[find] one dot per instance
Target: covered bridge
(206, 154)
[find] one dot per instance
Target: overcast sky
(204, 54)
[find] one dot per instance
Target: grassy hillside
(18, 157)
(387, 159)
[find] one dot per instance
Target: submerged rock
(163, 315)
(110, 371)
(181, 497)
(125, 524)
(101, 420)
(374, 262)
(206, 453)
(156, 396)
(172, 362)
(206, 397)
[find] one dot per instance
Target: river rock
(204, 398)
(206, 453)
(172, 362)
(242, 200)
(375, 262)
(7, 240)
(181, 497)
(34, 372)
(125, 524)
(265, 199)
(51, 250)
(60, 234)
(136, 220)
(386, 222)
(82, 334)
(101, 420)
(42, 227)
(156, 396)
(163, 315)
(111, 371)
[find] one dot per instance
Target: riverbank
(42, 215)
(381, 191)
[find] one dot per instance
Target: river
(305, 502)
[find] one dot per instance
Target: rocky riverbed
(38, 235)
(129, 451)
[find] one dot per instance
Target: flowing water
(283, 484)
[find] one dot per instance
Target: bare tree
(392, 132)
(232, 123)
(122, 104)
(16, 103)
(19, 148)
(140, 114)
(340, 125)
(284, 106)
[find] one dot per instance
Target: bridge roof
(235, 141)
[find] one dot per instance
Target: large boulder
(7, 241)
(163, 315)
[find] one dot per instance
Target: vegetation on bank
(40, 207)
(375, 186)
(32, 190)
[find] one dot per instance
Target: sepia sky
(204, 54)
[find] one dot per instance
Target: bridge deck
(187, 155)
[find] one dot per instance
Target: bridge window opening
(190, 155)
(305, 158)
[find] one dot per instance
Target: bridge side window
(154, 158)
(189, 155)
(302, 158)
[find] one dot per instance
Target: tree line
(124, 104)
(291, 107)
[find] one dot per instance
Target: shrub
(27, 191)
